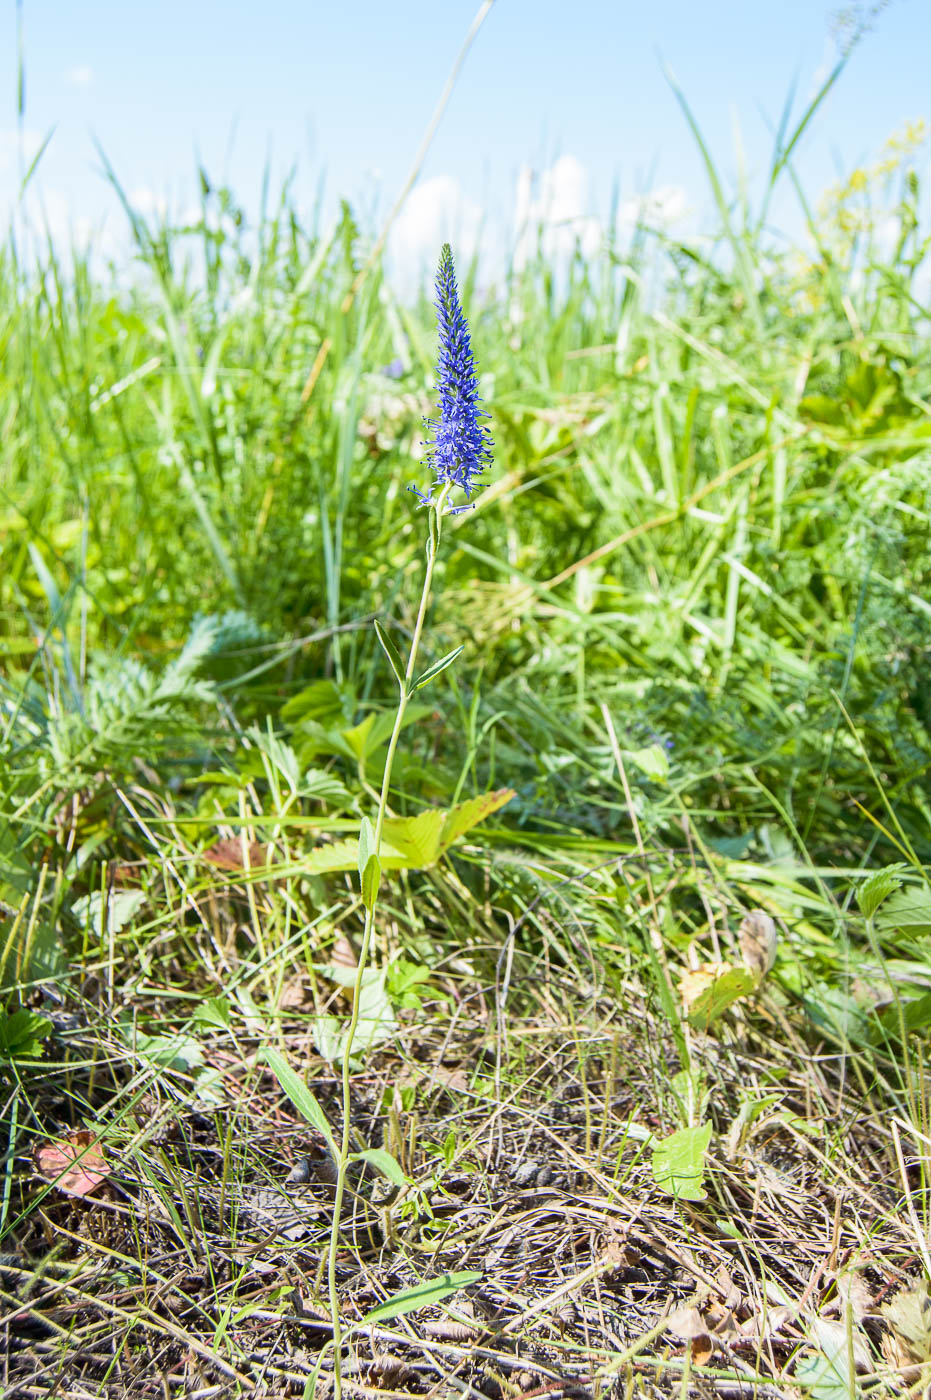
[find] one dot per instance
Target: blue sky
(344, 90)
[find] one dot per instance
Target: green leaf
(878, 887)
(299, 1094)
(417, 838)
(110, 912)
(411, 843)
(178, 1052)
(465, 815)
(915, 1015)
(213, 1011)
(366, 844)
(679, 1163)
(721, 993)
(909, 908)
(826, 1377)
(382, 1161)
(358, 736)
(422, 1295)
(404, 980)
(371, 879)
(436, 668)
(377, 1022)
(653, 761)
(392, 653)
(344, 855)
(369, 864)
(22, 1034)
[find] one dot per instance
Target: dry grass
(196, 1267)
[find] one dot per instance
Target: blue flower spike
(458, 447)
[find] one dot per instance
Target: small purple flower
(459, 447)
(395, 369)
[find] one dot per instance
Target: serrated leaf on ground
(75, 1164)
(22, 1033)
(465, 815)
(709, 990)
(418, 838)
(908, 908)
(344, 855)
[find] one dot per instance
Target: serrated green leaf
(299, 1094)
(878, 887)
(679, 1163)
(344, 855)
(382, 1161)
(358, 736)
(721, 993)
(907, 908)
(465, 815)
(377, 1022)
(422, 1295)
(213, 1011)
(322, 786)
(417, 838)
(910, 1015)
(22, 1033)
(411, 843)
(436, 668)
(392, 653)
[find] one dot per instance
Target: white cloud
(437, 211)
(148, 203)
(659, 208)
(552, 212)
(80, 75)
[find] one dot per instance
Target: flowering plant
(459, 450)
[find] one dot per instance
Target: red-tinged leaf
(228, 854)
(74, 1164)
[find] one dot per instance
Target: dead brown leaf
(852, 1288)
(909, 1316)
(297, 994)
(342, 953)
(227, 854)
(686, 1323)
(702, 1349)
(74, 1164)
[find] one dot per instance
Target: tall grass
(709, 515)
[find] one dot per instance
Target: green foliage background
(707, 525)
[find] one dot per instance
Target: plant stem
(405, 691)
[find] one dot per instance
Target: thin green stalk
(405, 691)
